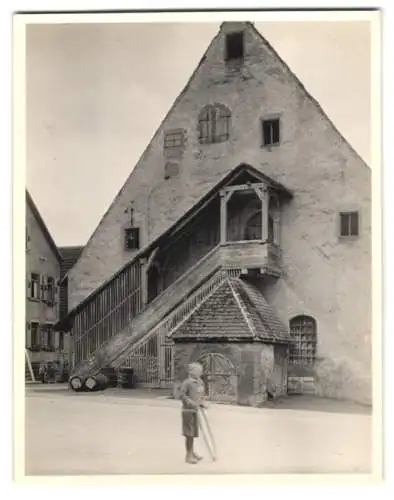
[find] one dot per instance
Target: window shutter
(354, 224)
(56, 291)
(45, 287)
(28, 287)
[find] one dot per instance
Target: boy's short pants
(190, 423)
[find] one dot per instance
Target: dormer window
(234, 46)
(214, 124)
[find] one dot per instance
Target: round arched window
(214, 124)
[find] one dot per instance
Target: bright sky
(97, 93)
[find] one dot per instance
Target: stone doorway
(220, 378)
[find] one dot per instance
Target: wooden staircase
(142, 344)
(151, 356)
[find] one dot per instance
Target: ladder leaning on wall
(29, 365)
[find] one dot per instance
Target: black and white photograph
(197, 203)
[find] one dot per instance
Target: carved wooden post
(264, 214)
(223, 217)
(144, 282)
(276, 229)
(263, 195)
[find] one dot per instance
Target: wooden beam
(223, 217)
(264, 215)
(259, 192)
(244, 187)
(144, 282)
(151, 258)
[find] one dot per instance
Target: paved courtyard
(127, 432)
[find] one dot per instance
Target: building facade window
(132, 238)
(35, 286)
(349, 224)
(50, 291)
(34, 335)
(303, 331)
(214, 124)
(271, 132)
(234, 46)
(61, 341)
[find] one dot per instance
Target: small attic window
(235, 46)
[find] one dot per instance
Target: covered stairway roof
(241, 173)
(236, 311)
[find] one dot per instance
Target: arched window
(214, 124)
(253, 229)
(303, 331)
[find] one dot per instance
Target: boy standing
(192, 391)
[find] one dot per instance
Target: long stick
(208, 442)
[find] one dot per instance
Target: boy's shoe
(191, 460)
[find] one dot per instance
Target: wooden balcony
(252, 255)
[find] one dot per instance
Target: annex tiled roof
(69, 255)
(231, 314)
(256, 302)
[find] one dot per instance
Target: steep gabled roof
(43, 227)
(231, 314)
(231, 177)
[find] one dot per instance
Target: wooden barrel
(111, 375)
(96, 383)
(126, 378)
(76, 383)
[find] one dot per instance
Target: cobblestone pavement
(139, 432)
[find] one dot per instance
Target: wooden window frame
(36, 298)
(269, 120)
(211, 119)
(301, 346)
(349, 212)
(127, 232)
(50, 291)
(34, 342)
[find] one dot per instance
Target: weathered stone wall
(312, 159)
(254, 364)
(324, 276)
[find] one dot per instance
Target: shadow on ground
(293, 402)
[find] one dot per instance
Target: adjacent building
(43, 272)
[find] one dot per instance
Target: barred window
(349, 223)
(304, 335)
(214, 124)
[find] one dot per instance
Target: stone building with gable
(247, 195)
